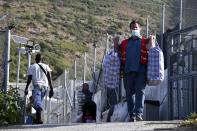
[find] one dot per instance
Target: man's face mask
(135, 33)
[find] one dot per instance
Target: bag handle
(43, 70)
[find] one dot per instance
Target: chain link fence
(85, 68)
(88, 69)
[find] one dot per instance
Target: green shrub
(57, 11)
(28, 16)
(6, 5)
(9, 109)
(190, 120)
(38, 16)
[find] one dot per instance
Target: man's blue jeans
(134, 83)
(38, 94)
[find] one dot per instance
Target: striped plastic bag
(155, 72)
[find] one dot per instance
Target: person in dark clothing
(89, 107)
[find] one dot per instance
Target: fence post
(64, 102)
(18, 66)
(107, 44)
(147, 27)
(29, 57)
(94, 64)
(181, 19)
(75, 75)
(7, 62)
(49, 112)
(84, 68)
(163, 25)
(181, 15)
(170, 93)
(94, 68)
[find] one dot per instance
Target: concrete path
(127, 126)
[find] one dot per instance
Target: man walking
(39, 74)
(111, 73)
(134, 56)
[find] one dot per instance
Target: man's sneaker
(132, 119)
(139, 118)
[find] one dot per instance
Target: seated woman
(89, 106)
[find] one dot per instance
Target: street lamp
(21, 41)
(28, 47)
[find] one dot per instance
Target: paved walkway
(127, 126)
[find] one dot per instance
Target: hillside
(66, 28)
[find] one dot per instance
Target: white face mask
(135, 33)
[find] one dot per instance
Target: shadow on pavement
(37, 126)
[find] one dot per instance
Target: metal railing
(182, 72)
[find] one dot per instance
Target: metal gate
(182, 72)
